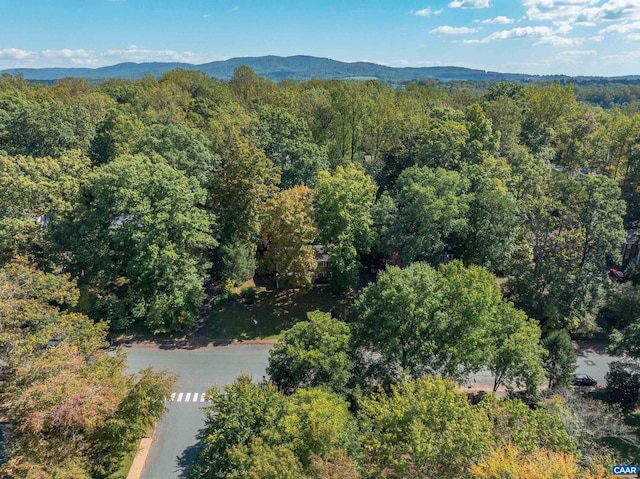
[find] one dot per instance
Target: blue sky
(577, 37)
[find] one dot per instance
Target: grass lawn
(273, 312)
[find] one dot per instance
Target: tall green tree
(447, 322)
(34, 194)
(517, 359)
(247, 179)
(238, 413)
(139, 242)
(560, 363)
(423, 428)
(573, 228)
(343, 211)
(185, 149)
(312, 353)
(287, 141)
(120, 133)
(35, 307)
(432, 207)
(288, 231)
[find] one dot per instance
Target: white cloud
(545, 35)
(76, 57)
(583, 12)
(426, 12)
(564, 29)
(138, 54)
(67, 53)
(501, 20)
(624, 56)
(621, 28)
(578, 53)
(560, 11)
(447, 30)
(519, 32)
(469, 4)
(557, 41)
(633, 37)
(619, 10)
(597, 38)
(16, 54)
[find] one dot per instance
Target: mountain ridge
(298, 68)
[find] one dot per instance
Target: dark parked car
(584, 380)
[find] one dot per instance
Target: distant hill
(297, 68)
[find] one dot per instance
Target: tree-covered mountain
(299, 68)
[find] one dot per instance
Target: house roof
(633, 236)
(320, 251)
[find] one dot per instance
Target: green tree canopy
(432, 208)
(288, 231)
(343, 211)
(450, 322)
(34, 193)
(424, 428)
(138, 243)
(312, 353)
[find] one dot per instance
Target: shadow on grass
(223, 322)
(273, 312)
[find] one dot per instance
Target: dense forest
(494, 214)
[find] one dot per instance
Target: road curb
(185, 345)
(137, 466)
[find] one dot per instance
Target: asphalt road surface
(593, 360)
(175, 438)
(174, 442)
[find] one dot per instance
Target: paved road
(593, 360)
(175, 436)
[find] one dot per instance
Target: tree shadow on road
(188, 458)
(584, 348)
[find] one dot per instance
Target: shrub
(623, 385)
(248, 293)
(229, 290)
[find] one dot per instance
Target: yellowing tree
(510, 461)
(288, 229)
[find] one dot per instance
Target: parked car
(584, 380)
(617, 275)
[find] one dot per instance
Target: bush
(248, 293)
(623, 385)
(229, 290)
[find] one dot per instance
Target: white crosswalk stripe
(188, 397)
